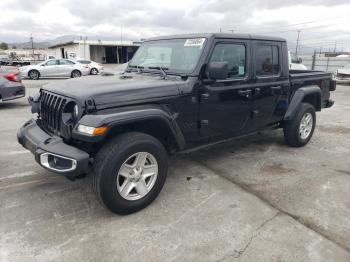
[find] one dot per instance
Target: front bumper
(51, 152)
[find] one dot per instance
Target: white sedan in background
(95, 68)
(54, 68)
(342, 76)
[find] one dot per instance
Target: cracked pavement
(248, 199)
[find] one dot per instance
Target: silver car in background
(54, 68)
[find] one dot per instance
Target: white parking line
(15, 152)
(18, 175)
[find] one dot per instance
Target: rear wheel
(34, 74)
(94, 71)
(130, 172)
(75, 74)
(298, 131)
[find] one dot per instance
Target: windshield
(176, 55)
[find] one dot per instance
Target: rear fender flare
(311, 94)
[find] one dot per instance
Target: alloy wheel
(137, 176)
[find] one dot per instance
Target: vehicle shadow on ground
(81, 190)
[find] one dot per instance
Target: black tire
(34, 74)
(93, 71)
(75, 73)
(291, 128)
(108, 162)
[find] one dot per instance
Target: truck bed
(297, 76)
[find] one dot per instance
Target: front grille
(51, 107)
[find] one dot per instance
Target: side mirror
(300, 60)
(218, 70)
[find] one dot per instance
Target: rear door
(271, 82)
(225, 105)
(65, 67)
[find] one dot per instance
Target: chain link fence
(321, 63)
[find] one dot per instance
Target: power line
(307, 28)
(303, 23)
(322, 37)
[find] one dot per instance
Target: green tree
(4, 46)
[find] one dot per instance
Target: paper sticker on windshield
(195, 42)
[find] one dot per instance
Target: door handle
(245, 93)
(205, 96)
(276, 88)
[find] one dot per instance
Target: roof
(220, 35)
(98, 42)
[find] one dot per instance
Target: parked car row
(60, 68)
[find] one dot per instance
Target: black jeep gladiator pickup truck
(178, 92)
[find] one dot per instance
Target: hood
(109, 91)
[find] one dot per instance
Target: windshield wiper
(161, 69)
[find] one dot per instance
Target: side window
(51, 62)
(234, 55)
(85, 62)
(267, 60)
(65, 62)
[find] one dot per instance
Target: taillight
(13, 77)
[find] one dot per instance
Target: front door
(225, 105)
(49, 68)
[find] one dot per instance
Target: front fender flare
(129, 115)
(299, 97)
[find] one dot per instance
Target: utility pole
(85, 38)
(335, 46)
(121, 45)
(32, 44)
(297, 47)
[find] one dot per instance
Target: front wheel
(130, 172)
(34, 74)
(299, 130)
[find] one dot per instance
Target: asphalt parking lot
(248, 199)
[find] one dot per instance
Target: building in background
(100, 51)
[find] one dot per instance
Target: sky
(322, 23)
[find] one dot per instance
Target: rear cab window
(267, 62)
